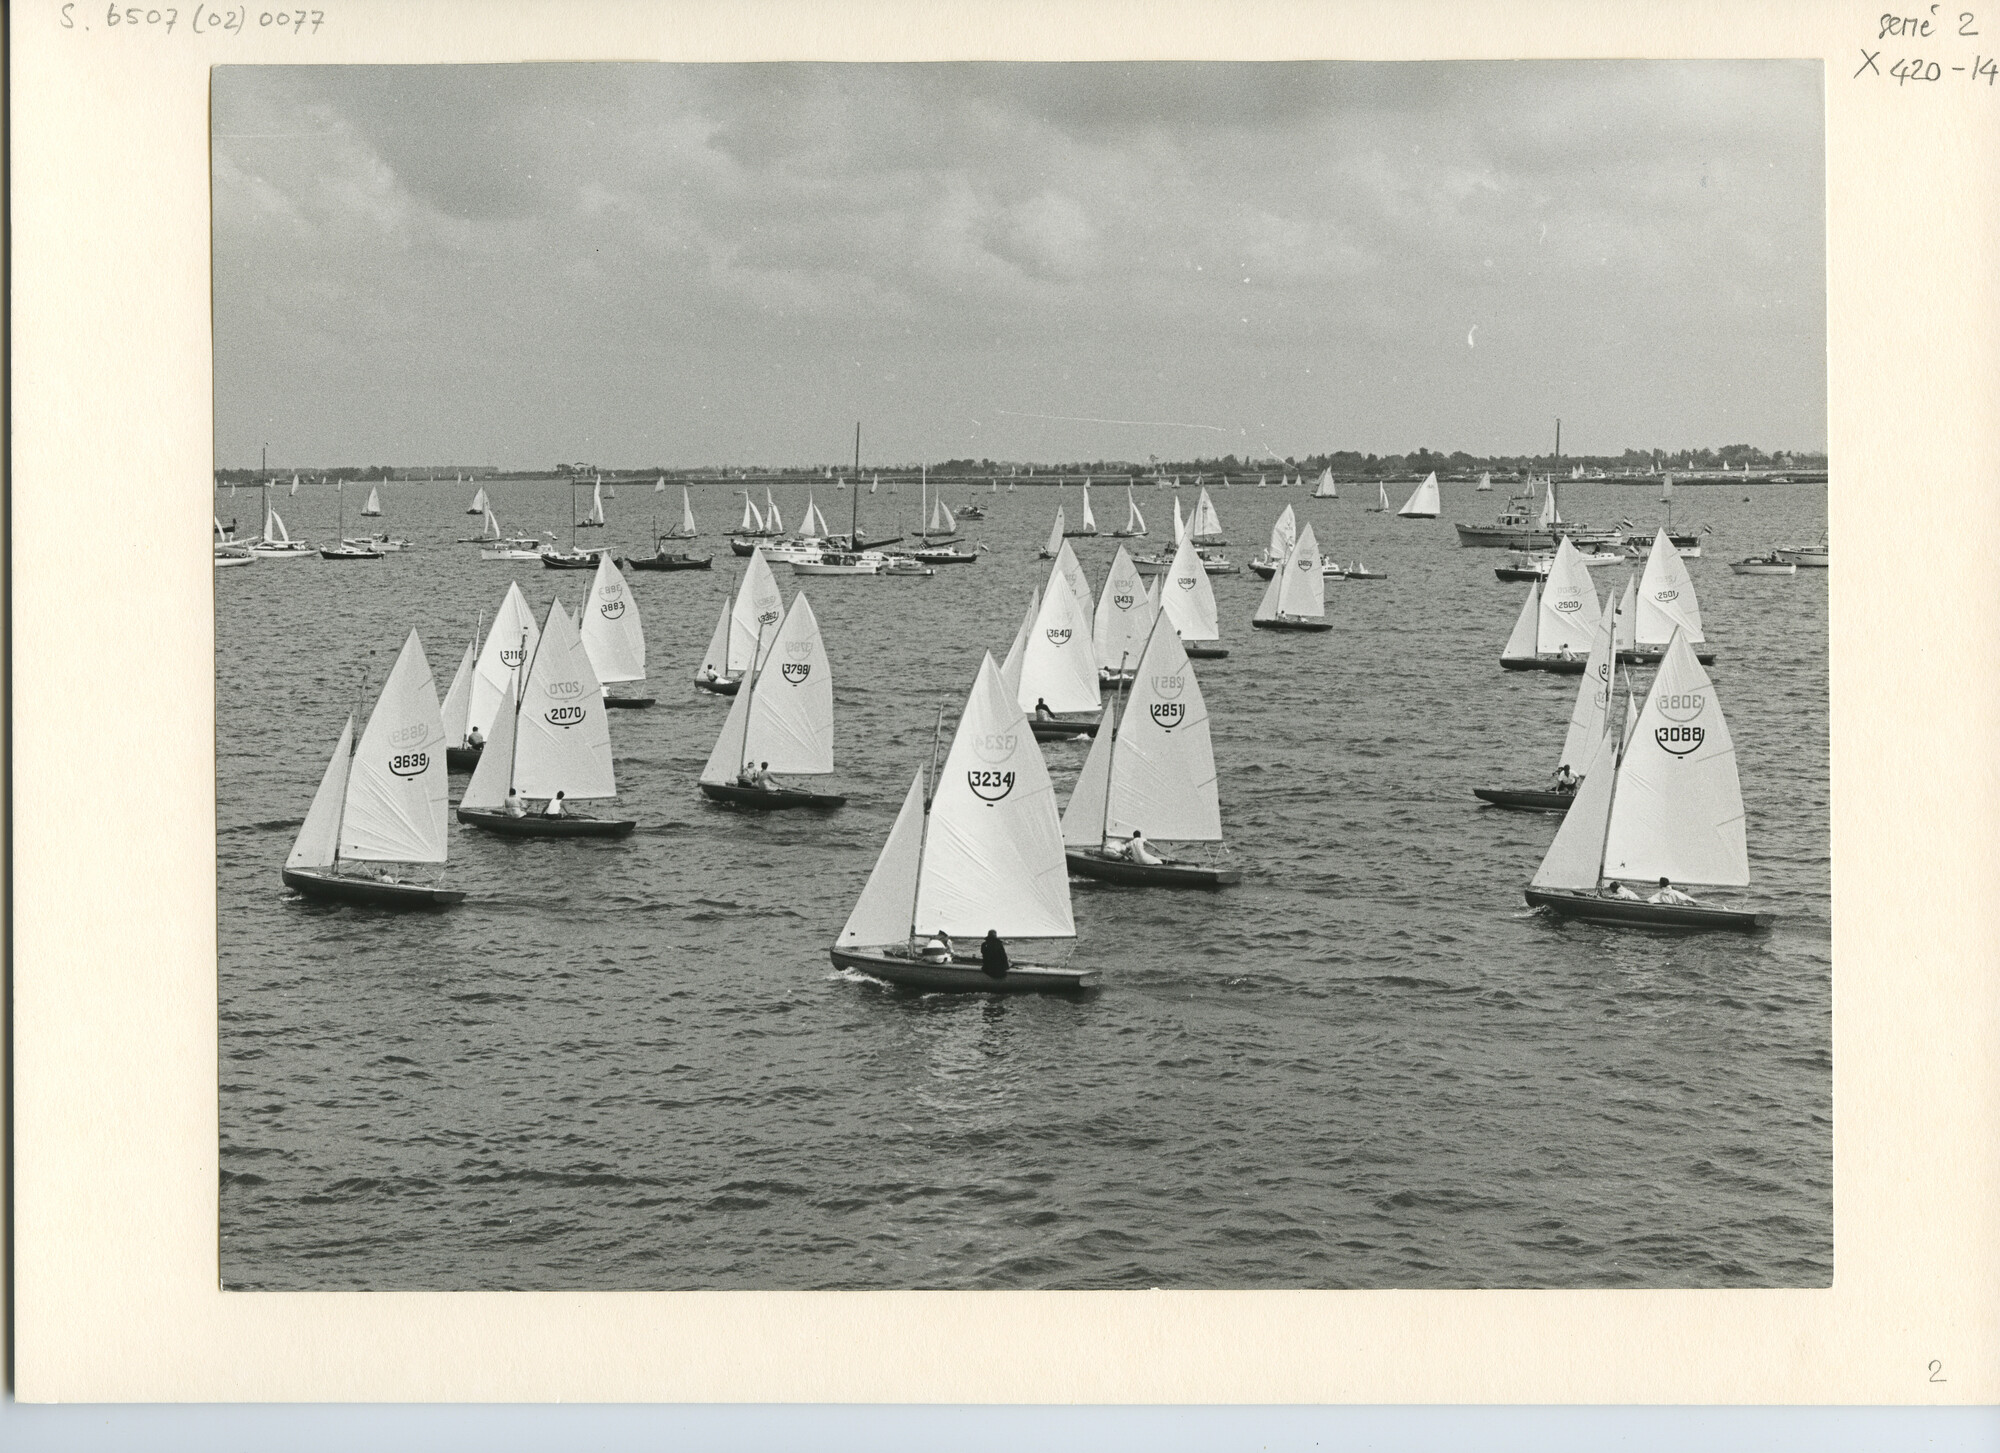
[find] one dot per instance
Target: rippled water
(630, 1065)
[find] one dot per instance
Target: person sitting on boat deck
(1565, 654)
(708, 672)
(1042, 712)
(555, 807)
(938, 950)
(1566, 780)
(1135, 848)
(1619, 890)
(514, 807)
(1669, 894)
(993, 955)
(762, 779)
(476, 738)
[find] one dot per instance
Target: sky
(641, 264)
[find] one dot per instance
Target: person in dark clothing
(993, 955)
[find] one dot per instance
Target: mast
(1111, 751)
(924, 832)
(750, 695)
(854, 524)
(1617, 760)
(340, 818)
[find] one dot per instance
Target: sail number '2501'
(989, 785)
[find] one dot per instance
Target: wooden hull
(461, 759)
(1525, 801)
(1685, 918)
(335, 888)
(1650, 656)
(535, 825)
(350, 554)
(586, 560)
(1060, 729)
(1519, 572)
(627, 703)
(673, 562)
(962, 977)
(1556, 665)
(1501, 537)
(1762, 567)
(1282, 623)
(762, 801)
(945, 557)
(725, 686)
(747, 545)
(1148, 875)
(1365, 574)
(1204, 650)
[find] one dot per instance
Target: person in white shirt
(475, 738)
(1566, 780)
(514, 807)
(555, 807)
(1619, 890)
(938, 950)
(1669, 894)
(1135, 848)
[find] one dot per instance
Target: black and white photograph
(1022, 676)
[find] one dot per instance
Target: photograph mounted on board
(1022, 676)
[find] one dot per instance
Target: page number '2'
(1937, 1371)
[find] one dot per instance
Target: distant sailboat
(276, 543)
(480, 504)
(374, 505)
(382, 801)
(660, 485)
(981, 853)
(1150, 776)
(1295, 600)
(1423, 501)
(685, 530)
(1189, 602)
(1595, 694)
(1381, 506)
(593, 519)
(1485, 482)
(1283, 533)
(1666, 603)
(1204, 525)
(457, 711)
(1056, 535)
(1135, 523)
(612, 635)
(1660, 804)
(780, 722)
(753, 518)
(1123, 621)
(1553, 631)
(1326, 489)
(551, 743)
(1089, 520)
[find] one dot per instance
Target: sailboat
(738, 644)
(1660, 803)
(981, 852)
(1089, 525)
(1135, 523)
(1381, 506)
(509, 643)
(346, 549)
(276, 543)
(593, 518)
(612, 635)
(1423, 501)
(1151, 771)
(685, 530)
(1204, 525)
(780, 722)
(611, 491)
(1283, 533)
(576, 557)
(1586, 723)
(1553, 631)
(457, 711)
(382, 801)
(374, 505)
(1326, 489)
(1055, 666)
(480, 504)
(1686, 542)
(1666, 604)
(1485, 482)
(550, 744)
(1056, 536)
(1183, 591)
(1124, 620)
(1295, 600)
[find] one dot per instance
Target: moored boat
(666, 560)
(1770, 563)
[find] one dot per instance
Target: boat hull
(1555, 665)
(461, 759)
(1149, 875)
(1204, 650)
(1686, 918)
(1522, 800)
(331, 554)
(1495, 537)
(762, 801)
(959, 977)
(1650, 656)
(1058, 729)
(335, 888)
(627, 703)
(535, 825)
(1292, 625)
(673, 562)
(727, 686)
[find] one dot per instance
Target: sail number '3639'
(410, 764)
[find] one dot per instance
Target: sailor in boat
(938, 950)
(1669, 894)
(555, 807)
(1135, 849)
(476, 738)
(1566, 780)
(993, 955)
(708, 672)
(514, 804)
(1042, 712)
(1619, 890)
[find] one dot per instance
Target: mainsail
(1326, 489)
(396, 806)
(1283, 533)
(1187, 597)
(1124, 616)
(562, 740)
(1089, 520)
(1666, 597)
(1056, 533)
(509, 643)
(758, 609)
(1135, 523)
(374, 505)
(1058, 665)
(1154, 768)
(1205, 525)
(783, 715)
(1423, 500)
(611, 632)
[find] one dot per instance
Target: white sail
(660, 485)
(562, 742)
(458, 700)
(274, 529)
(1083, 821)
(753, 518)
(715, 660)
(1666, 489)
(1594, 693)
(1187, 597)
(1678, 811)
(1262, 482)
(876, 483)
(1079, 584)
(1521, 642)
(882, 913)
(491, 528)
(1089, 520)
(510, 641)
(596, 515)
(1011, 671)
(1180, 525)
(1056, 532)
(1162, 762)
(1325, 488)
(1124, 615)
(1485, 480)
(1423, 500)
(1135, 522)
(295, 483)
(784, 716)
(1628, 615)
(1551, 517)
(993, 855)
(1205, 523)
(773, 521)
(1058, 665)
(396, 806)
(950, 519)
(1283, 533)
(487, 791)
(1569, 605)
(1382, 489)
(374, 505)
(1302, 591)
(611, 632)
(1666, 597)
(480, 504)
(1575, 859)
(687, 513)
(318, 843)
(758, 609)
